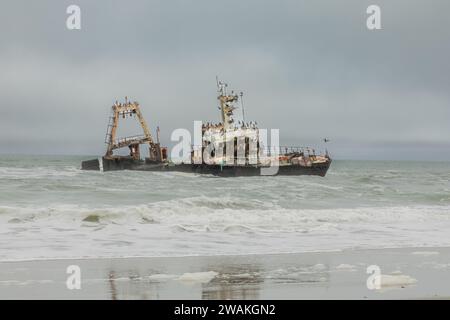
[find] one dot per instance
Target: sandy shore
(406, 273)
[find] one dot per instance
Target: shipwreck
(228, 148)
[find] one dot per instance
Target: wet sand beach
(407, 273)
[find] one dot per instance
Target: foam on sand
(396, 280)
(160, 277)
(201, 277)
(346, 267)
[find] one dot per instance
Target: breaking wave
(219, 211)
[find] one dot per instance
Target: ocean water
(49, 208)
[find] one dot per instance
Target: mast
(226, 102)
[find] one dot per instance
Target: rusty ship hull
(123, 163)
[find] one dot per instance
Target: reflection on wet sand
(234, 282)
(314, 275)
(215, 281)
(112, 285)
(131, 286)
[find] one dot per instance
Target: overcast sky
(310, 68)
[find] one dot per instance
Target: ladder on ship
(109, 128)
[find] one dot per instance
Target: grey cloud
(310, 68)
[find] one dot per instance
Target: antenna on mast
(221, 87)
(242, 106)
(157, 134)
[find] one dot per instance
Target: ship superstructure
(232, 141)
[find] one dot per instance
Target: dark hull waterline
(318, 169)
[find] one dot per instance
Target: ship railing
(272, 150)
(288, 150)
(269, 151)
